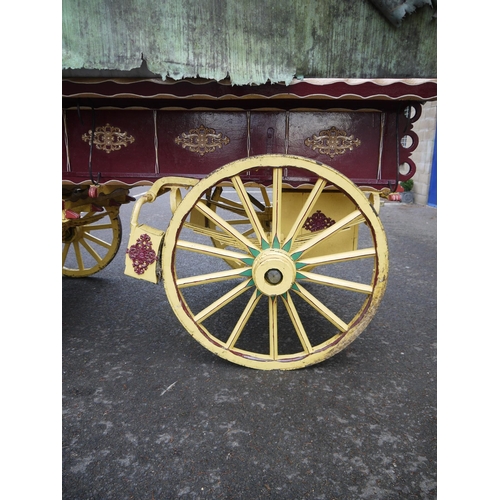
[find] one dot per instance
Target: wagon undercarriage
(274, 214)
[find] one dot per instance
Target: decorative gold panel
(202, 140)
(332, 142)
(108, 138)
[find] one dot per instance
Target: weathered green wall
(252, 41)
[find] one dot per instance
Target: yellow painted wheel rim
(272, 277)
(90, 245)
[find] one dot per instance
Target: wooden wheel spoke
(273, 327)
(336, 282)
(97, 227)
(221, 253)
(218, 220)
(88, 215)
(243, 320)
(297, 323)
(323, 235)
(78, 255)
(242, 222)
(91, 251)
(90, 219)
(203, 279)
(222, 301)
(321, 308)
(305, 211)
(98, 241)
(249, 209)
(277, 198)
(213, 234)
(337, 257)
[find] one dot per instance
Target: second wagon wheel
(91, 242)
(309, 282)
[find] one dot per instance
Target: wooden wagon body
(274, 191)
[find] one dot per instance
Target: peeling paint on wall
(249, 41)
(396, 10)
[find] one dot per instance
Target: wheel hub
(273, 276)
(273, 272)
(69, 235)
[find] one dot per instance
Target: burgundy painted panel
(348, 142)
(148, 144)
(267, 132)
(197, 142)
(130, 155)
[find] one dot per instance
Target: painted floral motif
(332, 142)
(142, 254)
(108, 138)
(202, 140)
(317, 222)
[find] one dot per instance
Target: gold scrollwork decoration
(108, 138)
(202, 140)
(332, 142)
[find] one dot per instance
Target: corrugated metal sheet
(251, 41)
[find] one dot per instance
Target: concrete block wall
(425, 128)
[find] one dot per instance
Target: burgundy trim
(342, 89)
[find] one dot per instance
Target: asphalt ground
(148, 413)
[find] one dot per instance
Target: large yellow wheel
(90, 243)
(302, 287)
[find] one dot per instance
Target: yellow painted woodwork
(270, 256)
(155, 236)
(91, 228)
(333, 204)
(90, 242)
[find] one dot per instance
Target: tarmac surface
(149, 414)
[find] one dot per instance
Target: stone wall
(425, 128)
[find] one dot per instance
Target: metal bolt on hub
(274, 276)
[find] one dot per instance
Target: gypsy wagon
(275, 256)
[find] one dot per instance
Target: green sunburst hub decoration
(249, 261)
